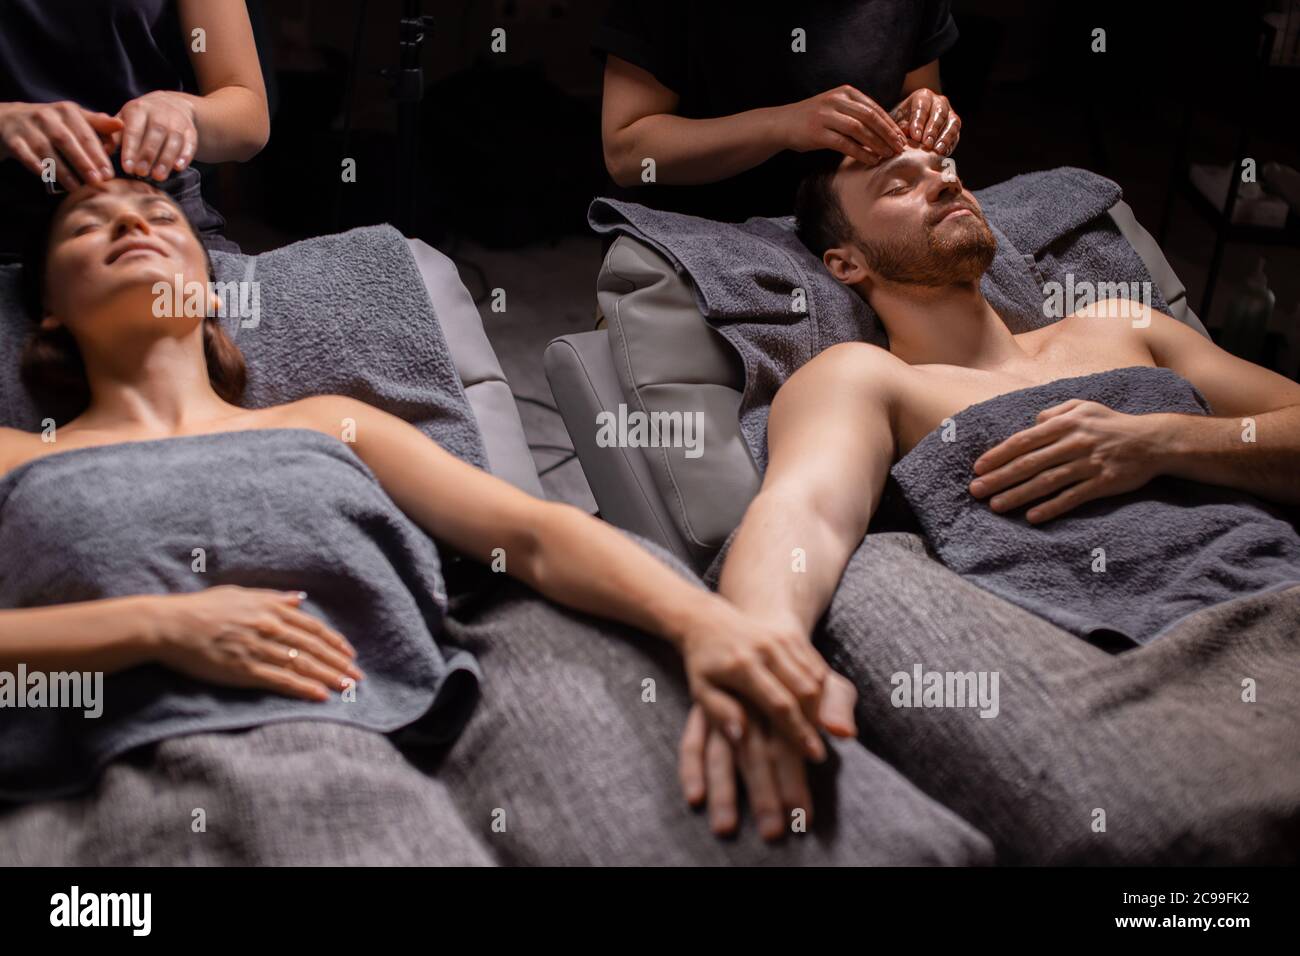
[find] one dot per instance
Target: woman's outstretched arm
(585, 564)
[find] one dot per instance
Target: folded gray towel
(1047, 224)
(346, 314)
(290, 509)
(1132, 564)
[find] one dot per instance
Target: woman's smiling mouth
(133, 249)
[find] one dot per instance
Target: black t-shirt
(99, 54)
(723, 57)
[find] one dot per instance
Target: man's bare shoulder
(1120, 329)
(1125, 316)
(859, 364)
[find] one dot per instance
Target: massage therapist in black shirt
(735, 94)
(160, 82)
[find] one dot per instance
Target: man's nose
(943, 184)
(127, 222)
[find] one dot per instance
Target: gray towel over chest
(1132, 564)
(286, 508)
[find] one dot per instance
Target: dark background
(510, 143)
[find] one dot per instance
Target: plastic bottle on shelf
(1249, 312)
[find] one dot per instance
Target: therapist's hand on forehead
(156, 134)
(850, 122)
(929, 121)
(159, 136)
(77, 140)
(843, 119)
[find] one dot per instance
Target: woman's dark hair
(52, 368)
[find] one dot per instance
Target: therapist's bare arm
(165, 130)
(830, 446)
(231, 114)
(639, 122)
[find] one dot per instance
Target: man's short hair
(820, 220)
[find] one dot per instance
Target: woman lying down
(155, 485)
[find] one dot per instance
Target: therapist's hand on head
(843, 119)
(78, 140)
(159, 136)
(929, 121)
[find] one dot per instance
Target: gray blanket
(289, 509)
(563, 761)
(1127, 566)
(745, 276)
(1182, 751)
(346, 314)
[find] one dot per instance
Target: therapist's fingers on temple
(170, 153)
(851, 148)
(41, 149)
(188, 149)
(690, 757)
(877, 122)
(951, 132)
(149, 150)
(134, 122)
(69, 138)
(840, 127)
(22, 150)
(94, 163)
(938, 118)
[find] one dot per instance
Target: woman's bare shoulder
(17, 447)
(319, 410)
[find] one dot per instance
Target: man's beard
(960, 255)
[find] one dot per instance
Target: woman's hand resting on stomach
(250, 637)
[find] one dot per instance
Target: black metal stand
(408, 91)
